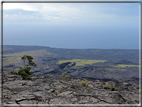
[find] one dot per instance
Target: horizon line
(71, 48)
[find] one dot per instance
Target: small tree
(29, 58)
(24, 59)
(25, 71)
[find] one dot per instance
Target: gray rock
(106, 99)
(58, 87)
(29, 97)
(83, 102)
(20, 99)
(39, 92)
(59, 101)
(51, 90)
(47, 87)
(94, 100)
(15, 87)
(74, 99)
(65, 93)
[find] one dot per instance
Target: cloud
(70, 13)
(24, 6)
(46, 12)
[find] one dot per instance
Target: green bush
(84, 83)
(65, 76)
(24, 75)
(113, 88)
(109, 86)
(27, 69)
(20, 72)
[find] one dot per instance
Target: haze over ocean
(73, 26)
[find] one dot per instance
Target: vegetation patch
(11, 59)
(82, 62)
(59, 90)
(33, 53)
(109, 86)
(65, 76)
(84, 83)
(16, 57)
(73, 60)
(25, 71)
(123, 66)
(110, 69)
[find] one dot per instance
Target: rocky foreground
(54, 90)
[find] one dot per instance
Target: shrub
(113, 88)
(84, 83)
(59, 90)
(20, 72)
(65, 76)
(24, 75)
(25, 71)
(108, 86)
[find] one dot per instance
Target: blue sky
(72, 25)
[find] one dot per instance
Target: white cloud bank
(73, 13)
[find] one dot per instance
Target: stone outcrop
(54, 90)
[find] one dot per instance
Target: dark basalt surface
(48, 65)
(94, 71)
(55, 90)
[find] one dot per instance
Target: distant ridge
(98, 54)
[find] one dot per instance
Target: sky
(72, 25)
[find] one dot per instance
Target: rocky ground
(55, 90)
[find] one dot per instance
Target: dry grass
(110, 69)
(11, 60)
(123, 66)
(32, 53)
(16, 57)
(81, 62)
